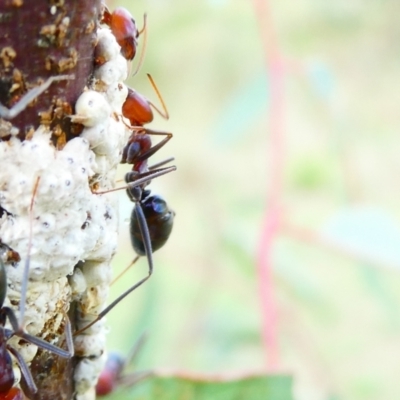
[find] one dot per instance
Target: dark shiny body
(159, 219)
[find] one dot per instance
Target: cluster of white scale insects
(74, 231)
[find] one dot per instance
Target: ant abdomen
(159, 218)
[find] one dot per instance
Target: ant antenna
(144, 177)
(125, 270)
(163, 113)
(144, 44)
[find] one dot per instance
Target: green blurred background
(336, 275)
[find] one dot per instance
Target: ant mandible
(123, 27)
(6, 313)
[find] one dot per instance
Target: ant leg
(138, 178)
(137, 347)
(143, 178)
(68, 337)
(161, 163)
(136, 377)
(48, 346)
(24, 369)
(32, 94)
(152, 168)
(33, 339)
(148, 250)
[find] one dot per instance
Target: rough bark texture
(39, 39)
(44, 38)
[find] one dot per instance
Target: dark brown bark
(44, 38)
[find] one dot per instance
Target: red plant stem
(271, 222)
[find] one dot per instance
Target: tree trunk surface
(73, 231)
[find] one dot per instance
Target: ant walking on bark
(150, 227)
(151, 218)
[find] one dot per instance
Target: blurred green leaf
(278, 387)
(311, 172)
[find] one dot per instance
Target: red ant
(7, 391)
(123, 27)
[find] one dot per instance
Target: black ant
(6, 313)
(150, 225)
(151, 219)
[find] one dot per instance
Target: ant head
(137, 109)
(123, 26)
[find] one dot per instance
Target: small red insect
(123, 27)
(13, 394)
(112, 377)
